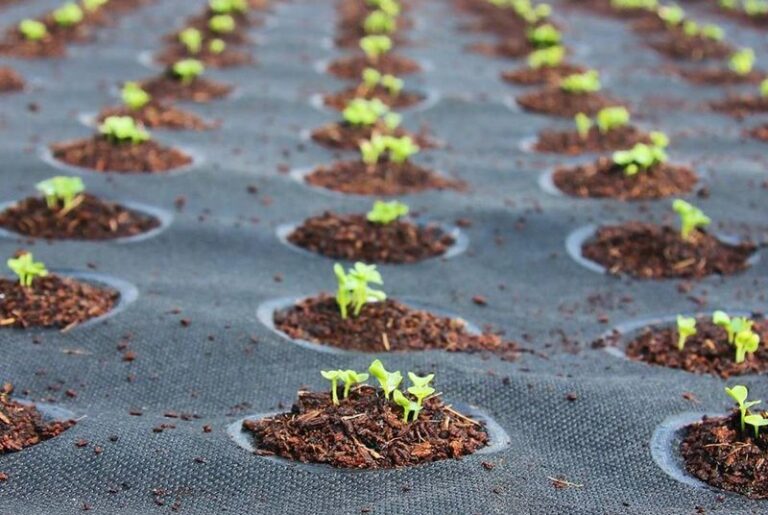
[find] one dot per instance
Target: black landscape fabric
(579, 419)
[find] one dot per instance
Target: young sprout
(610, 118)
(691, 218)
(713, 32)
(61, 189)
(757, 421)
(333, 376)
(94, 5)
(351, 378)
(371, 78)
(686, 327)
(389, 381)
(729, 4)
(587, 82)
(400, 149)
(421, 393)
(392, 121)
(690, 28)
(33, 30)
(420, 381)
(386, 212)
(407, 404)
(217, 46)
(375, 46)
(362, 112)
(640, 157)
(390, 7)
(134, 96)
(192, 39)
(353, 287)
(546, 57)
(544, 36)
(371, 150)
(228, 6)
(742, 61)
(188, 70)
(732, 326)
(393, 84)
(68, 15)
(672, 15)
(583, 124)
(222, 24)
(739, 394)
(764, 88)
(745, 341)
(379, 22)
(27, 269)
(121, 129)
(755, 7)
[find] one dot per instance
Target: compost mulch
(556, 102)
(352, 67)
(759, 133)
(231, 57)
(572, 143)
(383, 178)
(401, 100)
(157, 115)
(200, 89)
(100, 155)
(90, 218)
(365, 431)
(691, 48)
(23, 425)
(740, 106)
(14, 44)
(53, 302)
(345, 136)
(719, 453)
(510, 47)
(353, 237)
(10, 80)
(650, 251)
(387, 326)
(720, 76)
(545, 75)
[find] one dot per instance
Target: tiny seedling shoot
(348, 377)
(686, 327)
(94, 5)
(739, 332)
(386, 212)
(739, 393)
(27, 269)
(192, 39)
(544, 36)
(123, 129)
(672, 15)
(643, 156)
(68, 15)
(64, 191)
(375, 46)
(607, 119)
(222, 24)
(742, 61)
(228, 6)
(764, 88)
(372, 77)
(546, 57)
(379, 22)
(353, 289)
(134, 96)
(399, 150)
(691, 219)
(33, 30)
(366, 113)
(187, 70)
(580, 83)
(389, 381)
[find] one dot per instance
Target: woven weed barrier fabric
(579, 419)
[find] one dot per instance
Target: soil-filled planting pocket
(26, 424)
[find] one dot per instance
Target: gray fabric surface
(217, 269)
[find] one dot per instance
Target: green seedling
(372, 149)
(400, 149)
(739, 394)
(379, 22)
(764, 88)
(217, 46)
(407, 404)
(333, 376)
(420, 381)
(691, 218)
(187, 70)
(33, 30)
(27, 269)
(745, 341)
(728, 4)
(686, 327)
(351, 378)
(546, 57)
(583, 125)
(389, 7)
(742, 61)
(647, 5)
(64, 190)
(353, 287)
(134, 96)
(94, 5)
(755, 7)
(392, 84)
(371, 78)
(712, 32)
(123, 129)
(375, 46)
(672, 15)
(544, 36)
(386, 212)
(578, 83)
(68, 15)
(366, 113)
(389, 381)
(757, 421)
(610, 118)
(222, 24)
(732, 326)
(641, 157)
(228, 6)
(192, 39)
(421, 393)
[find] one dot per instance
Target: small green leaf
(386, 212)
(27, 269)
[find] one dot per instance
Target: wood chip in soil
(23, 425)
(546, 75)
(90, 219)
(53, 301)
(719, 453)
(556, 102)
(353, 237)
(365, 431)
(605, 179)
(571, 142)
(10, 80)
(383, 327)
(404, 99)
(100, 155)
(649, 251)
(201, 90)
(352, 67)
(719, 76)
(345, 136)
(384, 178)
(156, 115)
(706, 352)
